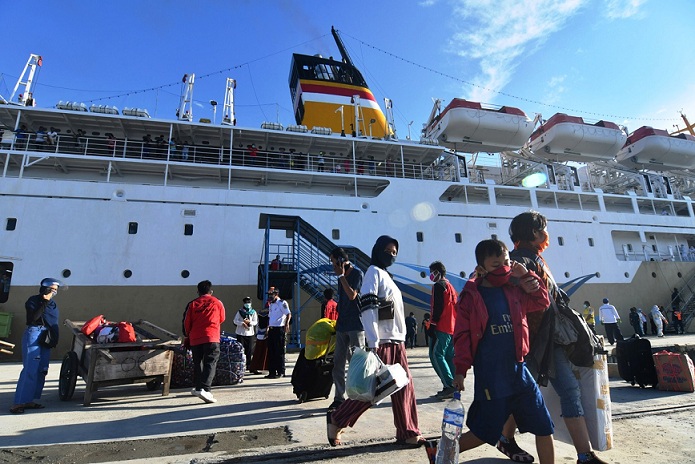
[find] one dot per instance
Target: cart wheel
(68, 376)
(153, 385)
(302, 397)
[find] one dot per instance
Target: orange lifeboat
(468, 127)
(569, 138)
(649, 148)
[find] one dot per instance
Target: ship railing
(80, 144)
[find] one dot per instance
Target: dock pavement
(261, 420)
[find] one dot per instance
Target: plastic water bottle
(452, 423)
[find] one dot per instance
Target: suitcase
(312, 378)
(675, 371)
(635, 361)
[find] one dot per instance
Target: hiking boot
(512, 450)
(593, 459)
(207, 396)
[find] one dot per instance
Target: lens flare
(534, 180)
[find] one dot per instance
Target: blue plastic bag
(361, 377)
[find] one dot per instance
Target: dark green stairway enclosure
(305, 265)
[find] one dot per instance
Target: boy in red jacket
(202, 326)
(492, 335)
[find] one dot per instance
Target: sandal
(333, 432)
(512, 450)
(18, 409)
(413, 442)
(33, 405)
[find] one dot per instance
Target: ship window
(185, 274)
(654, 274)
(567, 275)
(457, 237)
(627, 275)
(420, 237)
(66, 273)
(680, 275)
(188, 229)
(11, 224)
(629, 247)
(654, 248)
(560, 241)
(132, 228)
(591, 242)
(493, 236)
(127, 273)
(335, 233)
(5, 280)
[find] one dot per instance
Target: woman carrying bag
(383, 319)
(39, 337)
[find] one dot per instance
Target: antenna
(26, 98)
(341, 47)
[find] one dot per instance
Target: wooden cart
(147, 360)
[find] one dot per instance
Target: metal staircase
(306, 265)
(687, 296)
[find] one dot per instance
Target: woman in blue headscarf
(385, 333)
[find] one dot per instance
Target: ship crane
(690, 128)
(26, 98)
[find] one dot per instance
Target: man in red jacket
(441, 331)
(202, 325)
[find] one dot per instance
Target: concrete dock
(260, 420)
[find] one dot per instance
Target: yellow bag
(319, 339)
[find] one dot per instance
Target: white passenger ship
(130, 212)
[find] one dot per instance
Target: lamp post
(214, 110)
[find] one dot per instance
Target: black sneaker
(513, 451)
(592, 460)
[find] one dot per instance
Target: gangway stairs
(305, 265)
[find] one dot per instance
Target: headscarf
(381, 258)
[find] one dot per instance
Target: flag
(39, 61)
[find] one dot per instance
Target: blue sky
(627, 61)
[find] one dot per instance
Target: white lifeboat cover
(649, 148)
(468, 127)
(569, 138)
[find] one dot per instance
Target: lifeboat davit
(467, 127)
(569, 138)
(655, 149)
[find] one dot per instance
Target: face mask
(499, 276)
(387, 258)
(434, 276)
(247, 305)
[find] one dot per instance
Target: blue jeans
(442, 357)
(35, 359)
(345, 344)
(566, 385)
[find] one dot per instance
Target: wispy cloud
(622, 9)
(495, 33)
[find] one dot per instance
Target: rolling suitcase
(635, 361)
(312, 378)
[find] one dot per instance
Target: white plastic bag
(390, 379)
(361, 377)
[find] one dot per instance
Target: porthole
(422, 274)
(627, 275)
(567, 274)
(598, 275)
(185, 274)
(654, 274)
(365, 205)
(66, 273)
(680, 275)
(127, 273)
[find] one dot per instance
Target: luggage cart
(147, 360)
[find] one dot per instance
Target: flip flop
(34, 406)
(17, 409)
(412, 442)
(333, 432)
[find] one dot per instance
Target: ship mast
(341, 47)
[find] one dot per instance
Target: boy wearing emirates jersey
(491, 335)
